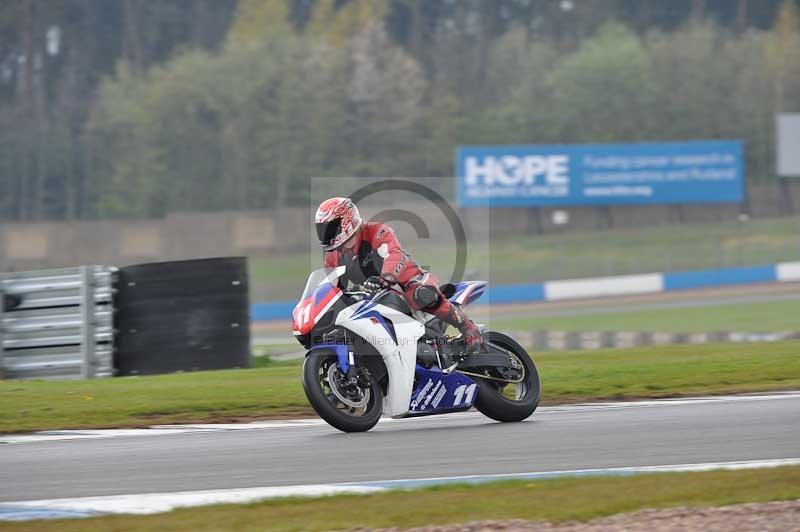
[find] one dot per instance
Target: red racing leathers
(378, 253)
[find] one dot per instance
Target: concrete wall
(121, 242)
(26, 246)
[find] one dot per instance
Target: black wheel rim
(353, 400)
(515, 392)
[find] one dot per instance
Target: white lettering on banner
(510, 170)
(620, 191)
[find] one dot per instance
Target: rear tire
(491, 400)
(329, 408)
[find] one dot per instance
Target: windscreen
(320, 276)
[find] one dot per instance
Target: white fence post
(89, 366)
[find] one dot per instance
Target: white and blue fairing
(467, 291)
(394, 335)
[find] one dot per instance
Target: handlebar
(360, 292)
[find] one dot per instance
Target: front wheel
(347, 406)
(503, 401)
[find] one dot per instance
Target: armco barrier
(100, 321)
(57, 323)
(649, 283)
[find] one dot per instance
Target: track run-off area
(149, 470)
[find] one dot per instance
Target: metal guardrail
(60, 325)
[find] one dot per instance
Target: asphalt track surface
(555, 438)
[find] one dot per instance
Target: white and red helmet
(337, 220)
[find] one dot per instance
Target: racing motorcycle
(370, 354)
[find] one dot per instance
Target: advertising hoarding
(600, 174)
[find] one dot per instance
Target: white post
(89, 366)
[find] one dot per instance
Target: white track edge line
(167, 430)
(608, 471)
(151, 503)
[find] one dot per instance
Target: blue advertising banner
(600, 174)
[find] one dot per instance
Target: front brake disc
(334, 381)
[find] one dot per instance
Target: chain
(497, 379)
(486, 377)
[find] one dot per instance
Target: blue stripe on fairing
(381, 320)
(475, 295)
(727, 276)
(473, 289)
(322, 292)
(362, 309)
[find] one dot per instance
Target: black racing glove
(375, 283)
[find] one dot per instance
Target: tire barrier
(182, 316)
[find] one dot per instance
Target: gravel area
(766, 517)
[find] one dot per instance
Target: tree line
(138, 108)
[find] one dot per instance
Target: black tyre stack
(182, 316)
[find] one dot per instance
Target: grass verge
(274, 391)
(550, 500)
(750, 317)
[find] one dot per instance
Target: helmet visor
(328, 231)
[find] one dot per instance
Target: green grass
(668, 371)
(530, 259)
(549, 500)
(232, 395)
(750, 317)
(275, 390)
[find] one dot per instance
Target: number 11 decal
(463, 390)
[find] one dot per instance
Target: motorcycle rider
(375, 259)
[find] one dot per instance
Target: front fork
(344, 356)
(347, 365)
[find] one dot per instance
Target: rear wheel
(506, 401)
(347, 406)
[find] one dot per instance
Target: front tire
(328, 397)
(494, 399)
